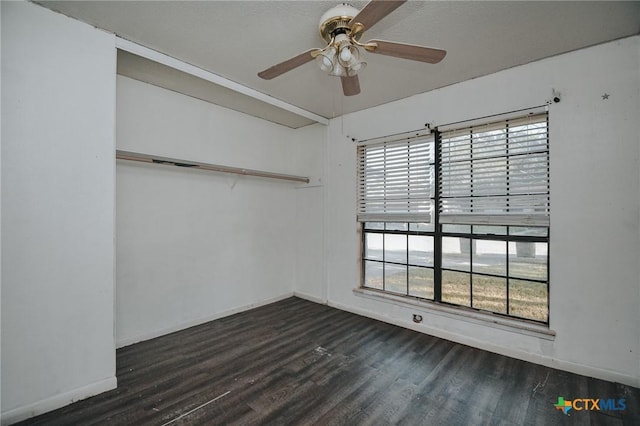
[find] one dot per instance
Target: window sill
(461, 313)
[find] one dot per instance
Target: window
(501, 269)
(486, 247)
(396, 193)
(496, 173)
(396, 179)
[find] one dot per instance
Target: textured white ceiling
(237, 39)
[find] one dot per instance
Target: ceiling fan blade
(374, 11)
(287, 65)
(406, 51)
(350, 85)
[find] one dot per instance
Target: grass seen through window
(504, 276)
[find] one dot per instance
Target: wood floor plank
(301, 363)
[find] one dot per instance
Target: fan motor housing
(336, 21)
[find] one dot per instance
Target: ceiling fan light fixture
(355, 67)
(338, 70)
(346, 53)
(341, 57)
(327, 59)
(349, 58)
(342, 28)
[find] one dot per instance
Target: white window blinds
(496, 173)
(395, 180)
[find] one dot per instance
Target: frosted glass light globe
(326, 59)
(345, 54)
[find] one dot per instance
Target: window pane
(499, 167)
(374, 225)
(530, 175)
(455, 181)
(421, 250)
(457, 229)
(395, 278)
(490, 293)
(395, 226)
(490, 257)
(373, 274)
(421, 227)
(528, 260)
(456, 288)
(528, 137)
(529, 231)
(395, 248)
(421, 282)
(489, 230)
(489, 178)
(373, 246)
(528, 299)
(456, 253)
(396, 177)
(490, 143)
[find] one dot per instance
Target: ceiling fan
(342, 27)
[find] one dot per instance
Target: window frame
(507, 238)
(408, 232)
(438, 233)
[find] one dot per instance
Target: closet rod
(145, 158)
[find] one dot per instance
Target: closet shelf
(153, 159)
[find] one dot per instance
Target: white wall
(310, 275)
(58, 180)
(193, 245)
(595, 194)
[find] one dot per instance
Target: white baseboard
(571, 367)
(310, 297)
(57, 401)
(157, 333)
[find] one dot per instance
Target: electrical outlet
(417, 318)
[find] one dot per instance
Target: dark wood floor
(298, 362)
